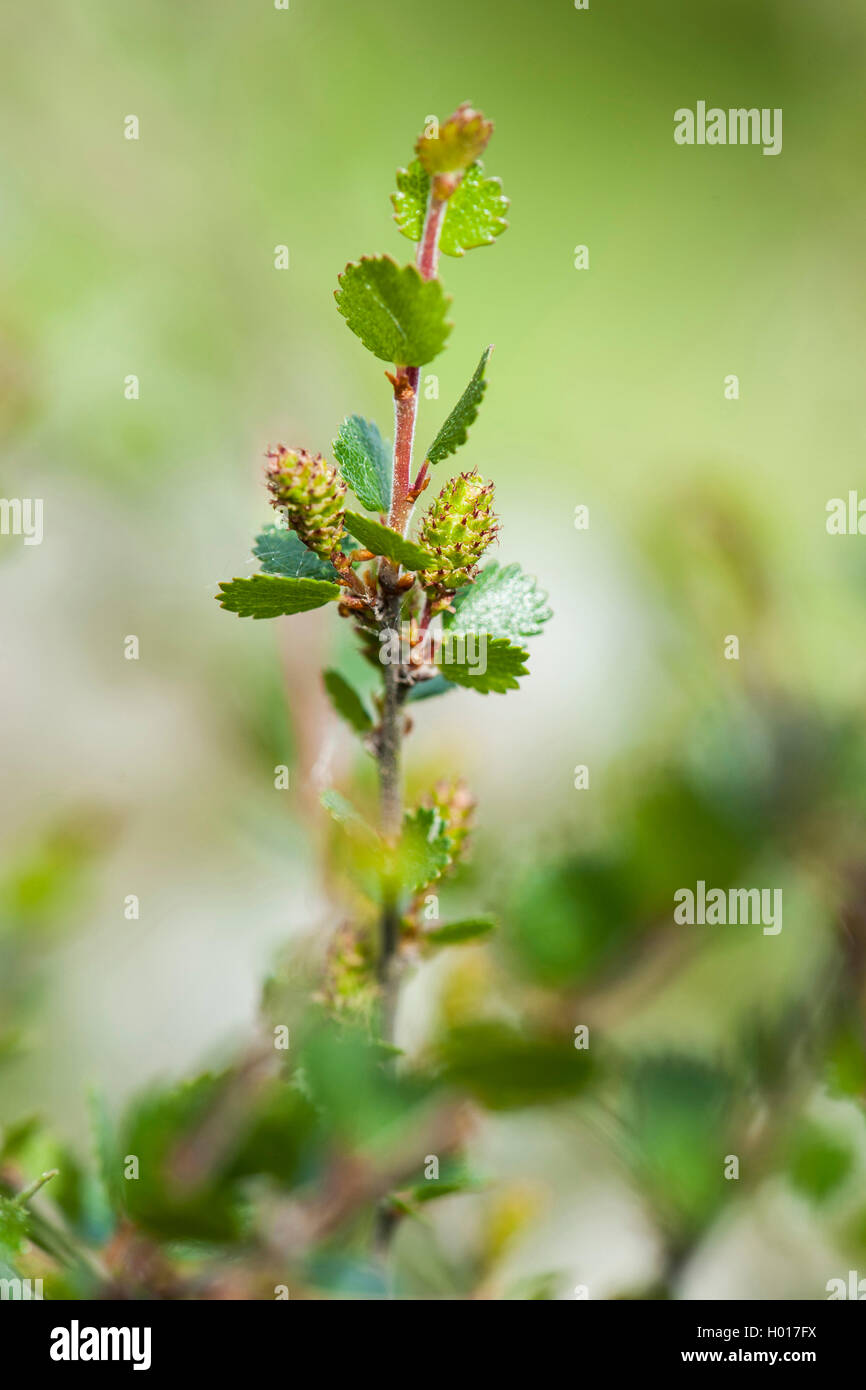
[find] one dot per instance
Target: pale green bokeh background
(261, 127)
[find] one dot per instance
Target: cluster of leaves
(454, 621)
(400, 315)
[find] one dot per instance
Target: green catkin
(457, 528)
(311, 493)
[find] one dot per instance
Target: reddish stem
(405, 412)
(405, 379)
(427, 259)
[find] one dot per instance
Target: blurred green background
(154, 777)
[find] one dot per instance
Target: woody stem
(405, 383)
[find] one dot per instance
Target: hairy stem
(405, 413)
(427, 259)
(405, 382)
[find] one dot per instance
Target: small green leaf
(453, 432)
(382, 540)
(192, 1189)
(568, 919)
(676, 1120)
(503, 601)
(266, 596)
(347, 702)
(410, 200)
(365, 462)
(398, 315)
(13, 1226)
(481, 662)
(108, 1166)
(158, 1129)
(507, 1069)
(454, 1176)
(475, 215)
(360, 1100)
(425, 690)
(428, 1193)
(455, 933)
(819, 1162)
(282, 551)
(424, 851)
(277, 1137)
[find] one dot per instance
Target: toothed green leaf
(503, 601)
(398, 315)
(266, 596)
(382, 540)
(410, 200)
(424, 851)
(475, 215)
(347, 702)
(282, 551)
(481, 662)
(455, 933)
(453, 432)
(365, 462)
